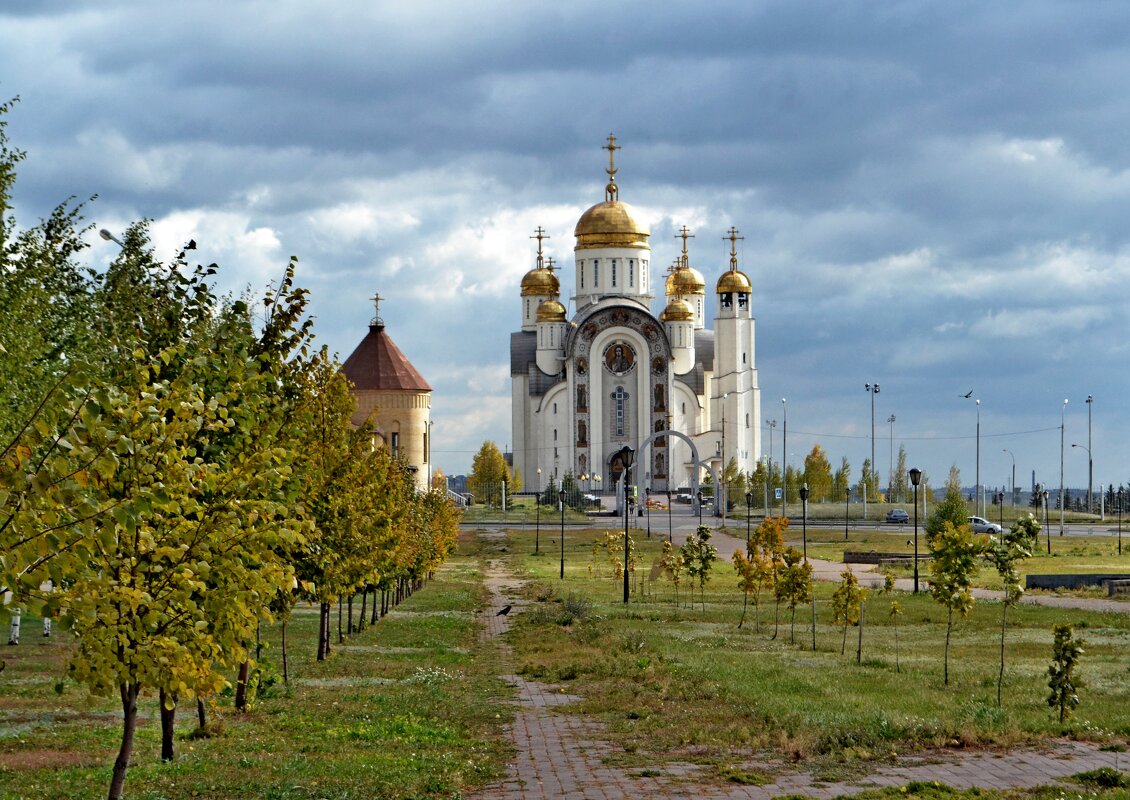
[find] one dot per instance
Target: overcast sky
(934, 196)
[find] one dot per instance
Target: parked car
(982, 525)
(898, 515)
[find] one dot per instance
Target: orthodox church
(683, 396)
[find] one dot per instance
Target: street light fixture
(647, 506)
(1119, 520)
(109, 237)
(915, 479)
(561, 500)
(1062, 418)
(670, 530)
(804, 540)
(698, 497)
(626, 456)
(784, 455)
(872, 389)
(1090, 463)
(891, 461)
(748, 508)
(537, 514)
(978, 505)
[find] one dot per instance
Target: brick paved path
(560, 755)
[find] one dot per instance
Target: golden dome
(734, 281)
(551, 311)
(610, 224)
(677, 311)
(540, 281)
(685, 280)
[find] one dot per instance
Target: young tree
(900, 478)
(1062, 680)
(1005, 552)
(847, 603)
(671, 562)
(754, 571)
(699, 556)
(954, 552)
(895, 610)
(796, 585)
(953, 509)
(869, 480)
(841, 481)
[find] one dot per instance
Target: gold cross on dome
(733, 237)
(685, 234)
(611, 191)
(549, 265)
(540, 234)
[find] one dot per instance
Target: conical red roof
(377, 363)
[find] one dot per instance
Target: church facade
(684, 396)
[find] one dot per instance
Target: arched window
(614, 273)
(619, 412)
(595, 273)
(631, 272)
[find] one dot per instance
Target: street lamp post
(626, 455)
(804, 540)
(698, 497)
(722, 474)
(561, 500)
(1062, 418)
(915, 479)
(872, 389)
(771, 424)
(537, 514)
(1088, 449)
(647, 507)
(891, 461)
(1044, 496)
(1119, 520)
(784, 455)
(1012, 486)
(1090, 463)
(748, 508)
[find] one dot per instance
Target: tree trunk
(814, 622)
(843, 641)
(323, 631)
(776, 617)
(1000, 675)
(201, 714)
(349, 615)
(329, 608)
(364, 607)
(792, 627)
(745, 604)
(241, 685)
(949, 626)
(898, 667)
(286, 675)
(340, 635)
(128, 693)
(168, 724)
(859, 644)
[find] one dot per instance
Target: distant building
(615, 373)
(395, 395)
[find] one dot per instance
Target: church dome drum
(540, 282)
(551, 311)
(610, 224)
(685, 280)
(734, 281)
(677, 311)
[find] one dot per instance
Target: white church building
(615, 374)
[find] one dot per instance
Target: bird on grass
(503, 611)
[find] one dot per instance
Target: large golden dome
(610, 224)
(734, 280)
(540, 281)
(677, 311)
(551, 311)
(685, 280)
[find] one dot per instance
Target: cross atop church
(685, 234)
(540, 234)
(549, 265)
(611, 191)
(376, 298)
(733, 237)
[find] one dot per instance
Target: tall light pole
(748, 508)
(561, 500)
(1119, 520)
(891, 461)
(977, 478)
(772, 425)
(722, 474)
(804, 534)
(784, 455)
(872, 389)
(1062, 419)
(1090, 463)
(537, 512)
(627, 455)
(915, 479)
(1012, 486)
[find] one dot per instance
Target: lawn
(411, 707)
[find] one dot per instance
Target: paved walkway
(560, 756)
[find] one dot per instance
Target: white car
(982, 525)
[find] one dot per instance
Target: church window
(631, 272)
(743, 358)
(555, 434)
(555, 408)
(613, 272)
(743, 299)
(595, 272)
(426, 454)
(684, 409)
(581, 272)
(727, 299)
(527, 309)
(395, 443)
(619, 411)
(747, 420)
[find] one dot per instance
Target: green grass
(670, 678)
(411, 707)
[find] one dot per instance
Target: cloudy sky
(934, 196)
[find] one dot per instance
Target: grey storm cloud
(932, 195)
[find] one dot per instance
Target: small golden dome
(734, 281)
(677, 311)
(684, 281)
(551, 311)
(610, 224)
(540, 281)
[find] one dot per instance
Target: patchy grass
(409, 708)
(667, 677)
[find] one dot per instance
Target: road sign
(777, 493)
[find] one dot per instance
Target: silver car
(982, 525)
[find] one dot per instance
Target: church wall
(401, 418)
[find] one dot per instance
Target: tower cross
(733, 237)
(685, 234)
(376, 298)
(540, 234)
(549, 265)
(611, 191)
